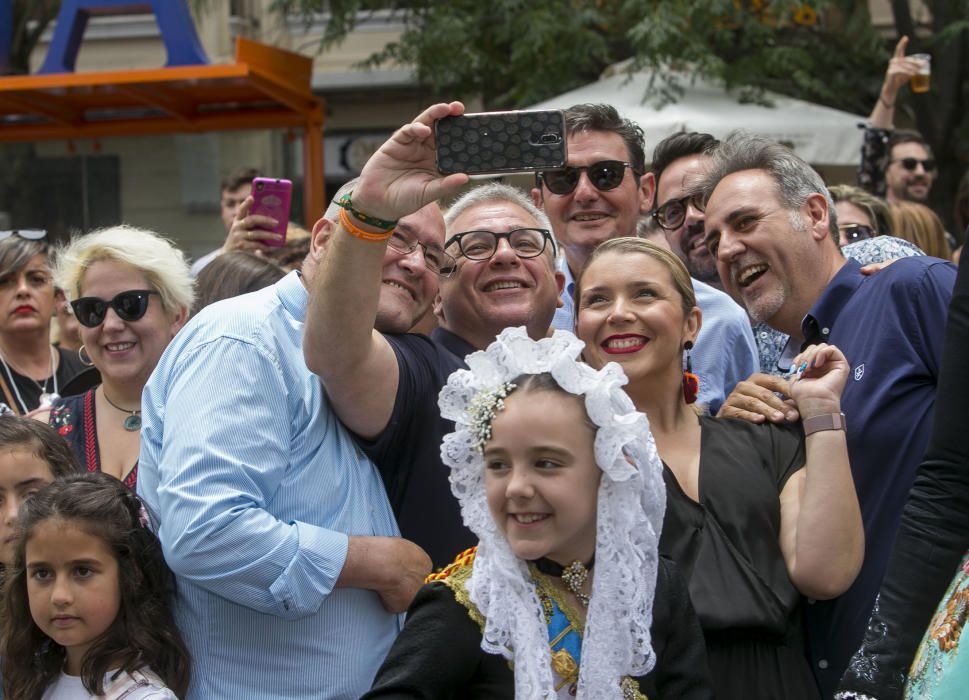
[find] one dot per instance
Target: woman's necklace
(46, 400)
(573, 576)
(133, 422)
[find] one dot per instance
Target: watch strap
(826, 421)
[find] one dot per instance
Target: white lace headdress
(631, 504)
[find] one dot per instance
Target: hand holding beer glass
(920, 81)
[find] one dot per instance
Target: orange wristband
(358, 232)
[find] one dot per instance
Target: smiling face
(911, 185)
(125, 351)
(408, 287)
(73, 586)
(585, 217)
(22, 474)
(27, 297)
(483, 297)
(541, 476)
(630, 312)
(767, 263)
(687, 240)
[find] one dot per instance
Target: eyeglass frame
(445, 269)
(925, 163)
(112, 304)
(546, 239)
(540, 175)
(691, 199)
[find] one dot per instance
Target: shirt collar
(569, 287)
(293, 294)
(453, 343)
(817, 324)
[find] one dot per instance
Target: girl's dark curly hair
(143, 633)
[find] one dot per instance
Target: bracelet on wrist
(347, 204)
(358, 232)
(826, 421)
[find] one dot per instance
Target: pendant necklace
(573, 575)
(133, 422)
(47, 399)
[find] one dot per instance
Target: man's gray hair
(498, 192)
(795, 179)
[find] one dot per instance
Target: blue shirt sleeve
(224, 449)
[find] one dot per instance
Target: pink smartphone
(272, 198)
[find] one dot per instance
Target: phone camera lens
(259, 187)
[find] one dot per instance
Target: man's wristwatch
(826, 421)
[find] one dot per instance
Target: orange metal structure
(266, 88)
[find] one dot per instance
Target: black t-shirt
(68, 367)
(408, 452)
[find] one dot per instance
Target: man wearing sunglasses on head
(601, 195)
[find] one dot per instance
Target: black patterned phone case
(501, 142)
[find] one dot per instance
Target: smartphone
(272, 198)
(501, 142)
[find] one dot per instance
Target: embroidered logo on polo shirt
(859, 372)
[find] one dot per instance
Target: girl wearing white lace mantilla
(558, 476)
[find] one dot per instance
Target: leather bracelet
(826, 421)
(358, 232)
(347, 205)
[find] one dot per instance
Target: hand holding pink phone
(272, 197)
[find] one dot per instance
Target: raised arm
(356, 364)
(900, 69)
(822, 537)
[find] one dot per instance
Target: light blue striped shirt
(256, 486)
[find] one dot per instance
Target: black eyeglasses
(856, 232)
(482, 245)
(130, 306)
(912, 163)
(671, 214)
(435, 259)
(605, 175)
(29, 234)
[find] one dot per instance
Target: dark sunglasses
(29, 234)
(856, 232)
(130, 306)
(672, 214)
(604, 175)
(912, 163)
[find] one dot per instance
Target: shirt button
(823, 664)
(811, 601)
(825, 332)
(764, 334)
(286, 604)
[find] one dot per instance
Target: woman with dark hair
(232, 274)
(758, 517)
(32, 371)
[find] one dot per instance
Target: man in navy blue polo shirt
(770, 223)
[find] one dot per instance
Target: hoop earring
(80, 355)
(691, 382)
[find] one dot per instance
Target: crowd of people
(672, 425)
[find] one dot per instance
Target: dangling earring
(80, 355)
(691, 382)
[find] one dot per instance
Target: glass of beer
(920, 81)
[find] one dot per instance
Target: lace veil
(631, 504)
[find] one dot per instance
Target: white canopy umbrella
(820, 135)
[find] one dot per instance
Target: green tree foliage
(512, 53)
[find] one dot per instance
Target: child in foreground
(558, 476)
(87, 602)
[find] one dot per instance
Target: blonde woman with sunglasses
(131, 291)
